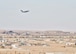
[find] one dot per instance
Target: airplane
(24, 11)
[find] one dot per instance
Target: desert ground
(37, 42)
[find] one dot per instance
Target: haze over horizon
(43, 15)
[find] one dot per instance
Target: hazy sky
(43, 15)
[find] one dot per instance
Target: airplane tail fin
(21, 10)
